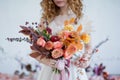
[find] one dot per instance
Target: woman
(56, 12)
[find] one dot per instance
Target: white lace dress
(76, 73)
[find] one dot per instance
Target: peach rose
(57, 44)
(49, 45)
(71, 49)
(41, 42)
(56, 53)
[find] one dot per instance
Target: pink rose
(58, 44)
(49, 45)
(41, 42)
(56, 53)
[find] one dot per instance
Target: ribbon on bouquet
(62, 66)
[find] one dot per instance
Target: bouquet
(64, 44)
(60, 46)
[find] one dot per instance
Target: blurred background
(14, 57)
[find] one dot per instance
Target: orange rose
(41, 42)
(56, 53)
(57, 44)
(71, 49)
(49, 45)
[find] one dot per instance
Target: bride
(56, 12)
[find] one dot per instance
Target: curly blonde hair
(50, 10)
